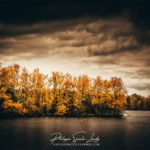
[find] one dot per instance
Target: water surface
(131, 133)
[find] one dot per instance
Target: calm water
(132, 132)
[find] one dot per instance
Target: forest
(35, 94)
(138, 102)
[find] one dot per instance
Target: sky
(94, 37)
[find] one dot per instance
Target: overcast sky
(107, 38)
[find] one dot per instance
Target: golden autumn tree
(9, 84)
(83, 86)
(25, 93)
(119, 95)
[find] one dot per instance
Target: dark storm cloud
(29, 12)
(8, 30)
(25, 12)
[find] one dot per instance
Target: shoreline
(119, 116)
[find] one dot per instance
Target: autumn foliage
(138, 102)
(24, 93)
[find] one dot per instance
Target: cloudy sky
(107, 38)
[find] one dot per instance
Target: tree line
(30, 94)
(138, 102)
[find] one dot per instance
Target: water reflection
(34, 133)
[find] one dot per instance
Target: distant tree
(138, 102)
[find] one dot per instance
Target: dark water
(131, 133)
